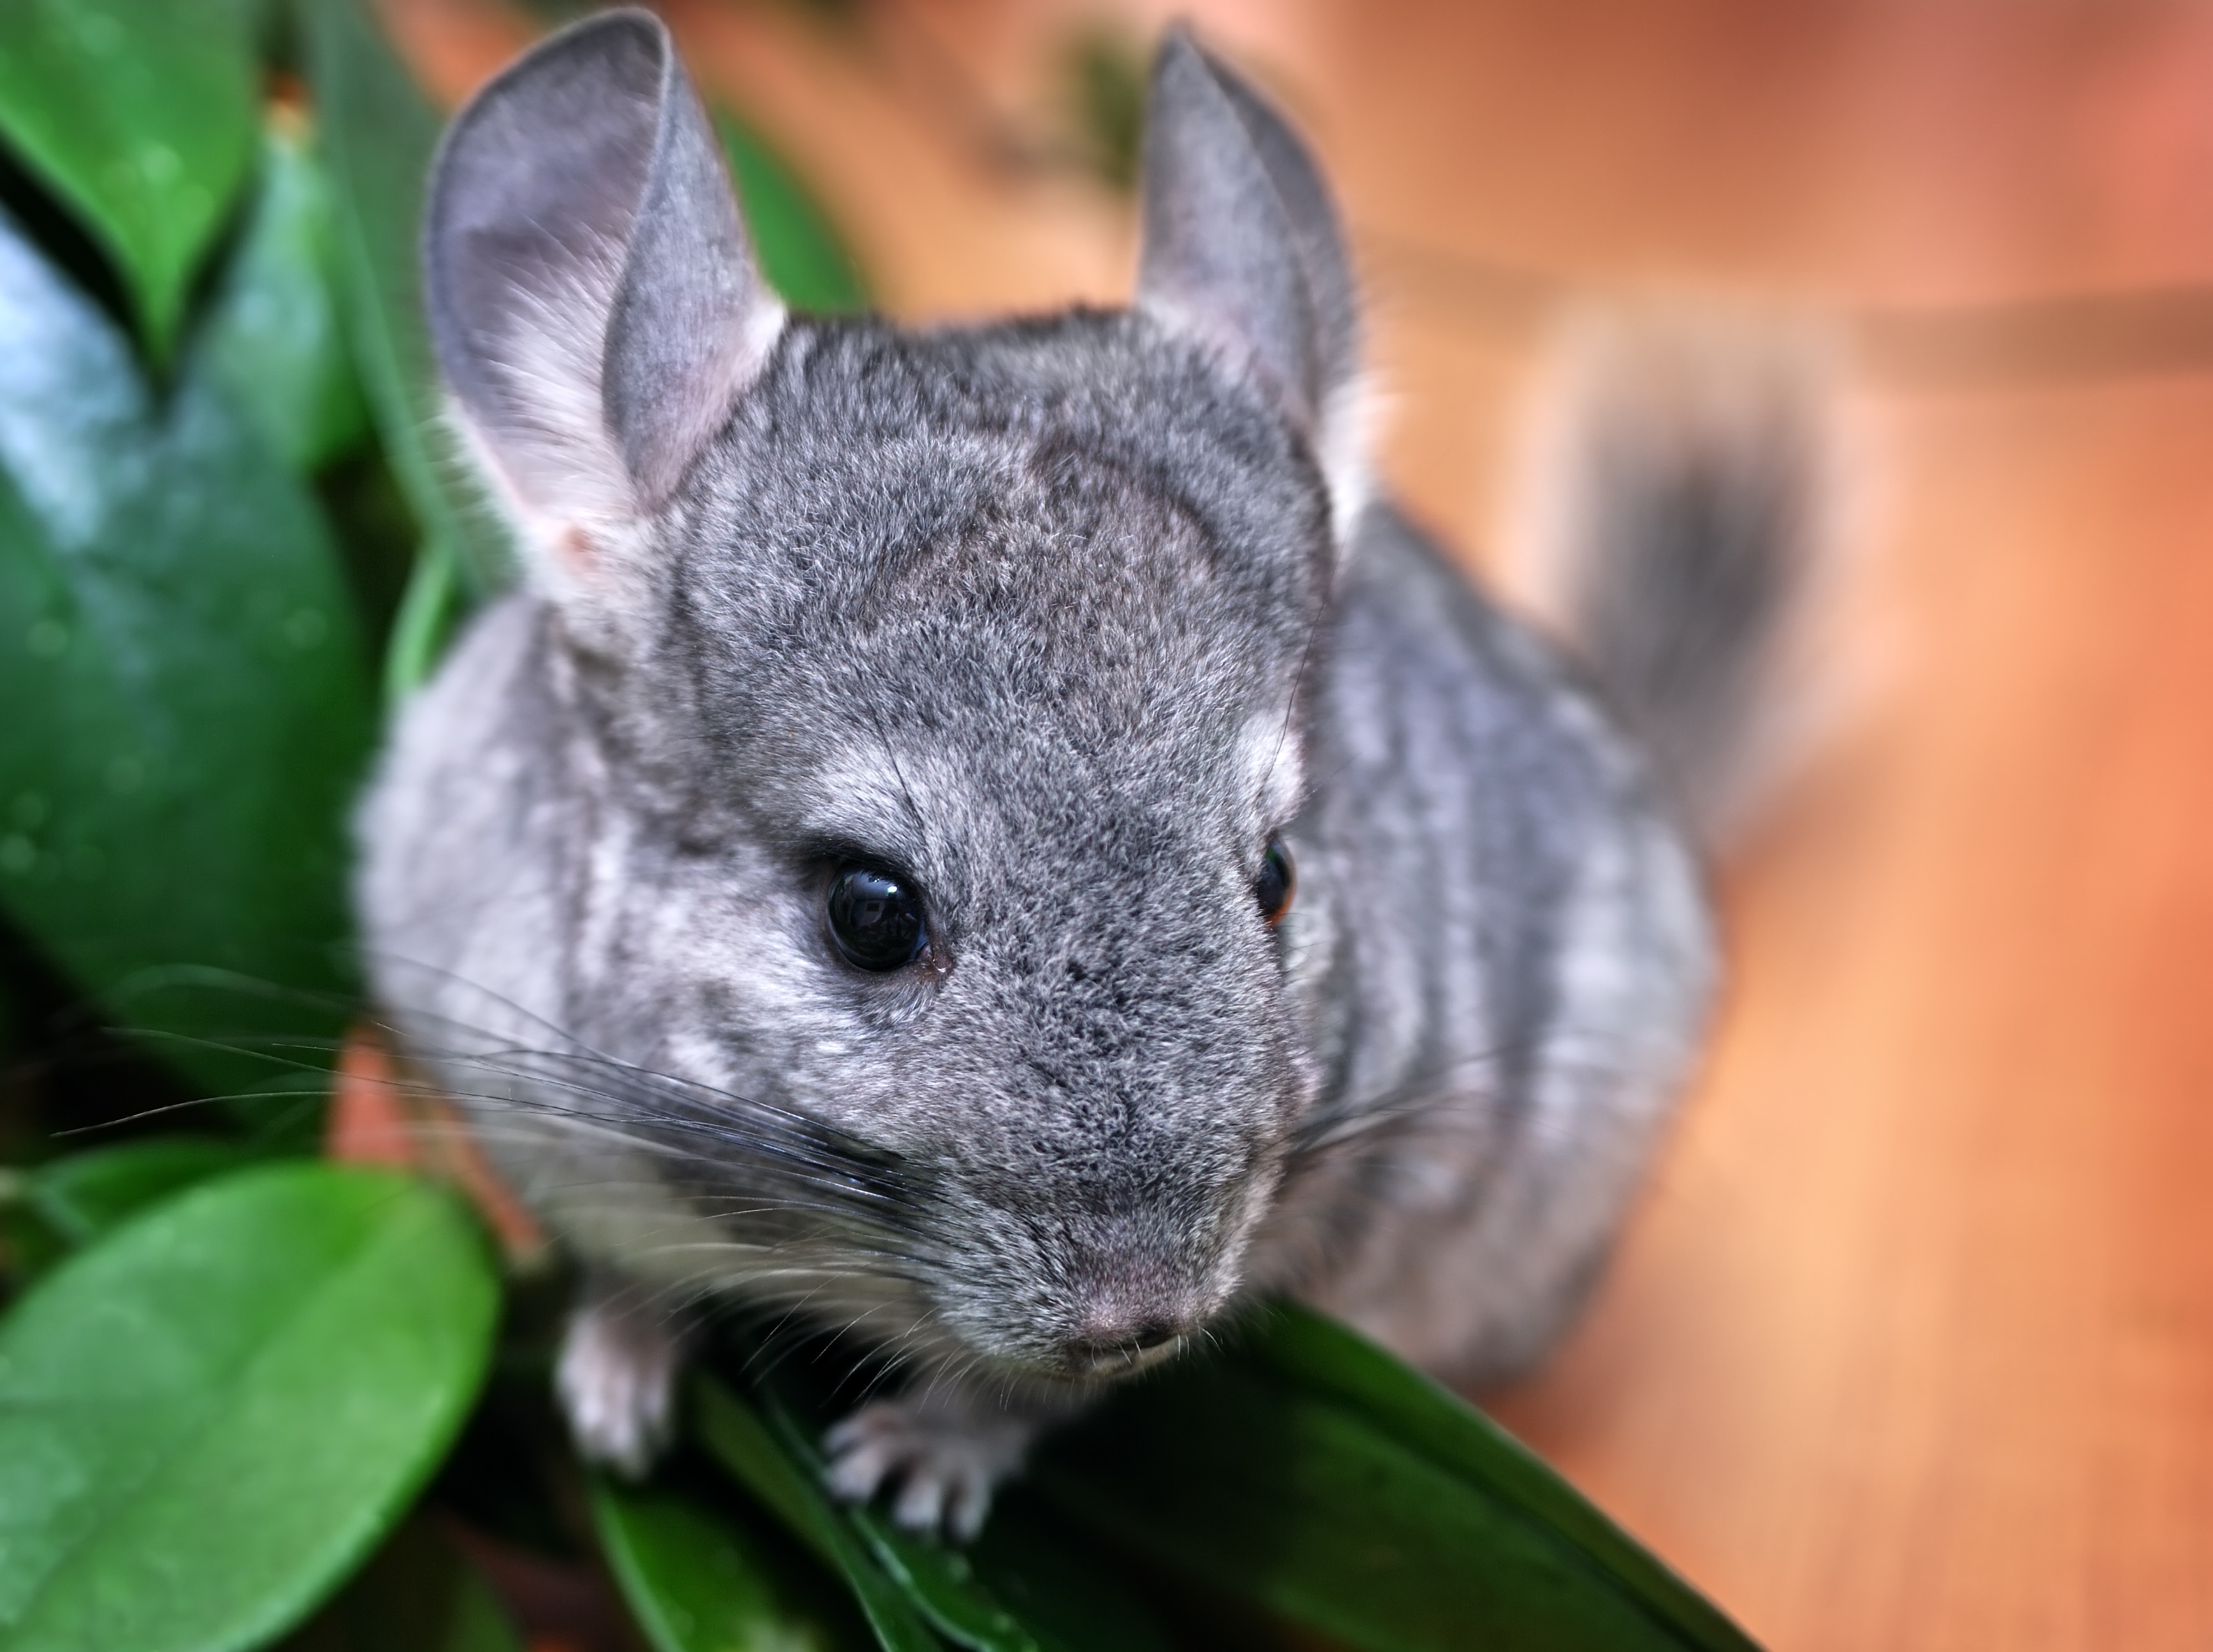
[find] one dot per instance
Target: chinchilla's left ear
(593, 297)
(1242, 247)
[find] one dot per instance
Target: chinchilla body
(1511, 963)
(1275, 915)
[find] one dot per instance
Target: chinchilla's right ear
(595, 304)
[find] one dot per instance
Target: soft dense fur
(1676, 493)
(1061, 618)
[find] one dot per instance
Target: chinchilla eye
(874, 918)
(1272, 888)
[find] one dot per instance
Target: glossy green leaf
(419, 1595)
(84, 1195)
(378, 133)
(1316, 1479)
(273, 337)
(938, 1579)
(1325, 1359)
(801, 251)
(1048, 1573)
(943, 1582)
(207, 1420)
(1028, 1585)
(744, 1444)
(192, 709)
(140, 115)
(699, 1579)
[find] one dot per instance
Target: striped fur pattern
(1062, 621)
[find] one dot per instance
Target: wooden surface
(1911, 1343)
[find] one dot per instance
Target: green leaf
(799, 250)
(209, 1419)
(417, 1595)
(140, 114)
(940, 1580)
(1027, 1555)
(699, 1579)
(743, 1442)
(1325, 1359)
(1047, 1572)
(84, 1195)
(273, 337)
(378, 133)
(192, 713)
(1315, 1478)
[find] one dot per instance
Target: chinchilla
(998, 839)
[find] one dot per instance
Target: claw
(945, 1458)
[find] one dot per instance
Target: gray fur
(1682, 477)
(1242, 246)
(1054, 617)
(590, 286)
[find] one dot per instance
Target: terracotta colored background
(1911, 1343)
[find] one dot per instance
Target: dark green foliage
(274, 338)
(379, 132)
(140, 114)
(762, 1461)
(1309, 1472)
(249, 1400)
(704, 1573)
(418, 1595)
(1052, 1577)
(171, 605)
(84, 1196)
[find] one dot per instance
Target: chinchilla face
(957, 731)
(915, 727)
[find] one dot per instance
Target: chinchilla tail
(1677, 506)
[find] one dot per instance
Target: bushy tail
(1681, 490)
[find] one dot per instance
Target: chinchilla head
(925, 707)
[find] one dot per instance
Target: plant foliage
(248, 1398)
(207, 1420)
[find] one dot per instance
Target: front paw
(617, 1380)
(945, 1455)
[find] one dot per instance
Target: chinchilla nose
(1109, 1342)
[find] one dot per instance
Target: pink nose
(1107, 1338)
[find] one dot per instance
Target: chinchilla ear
(1242, 247)
(593, 299)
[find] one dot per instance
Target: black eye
(1272, 888)
(874, 919)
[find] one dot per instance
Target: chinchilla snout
(1082, 1299)
(1094, 1296)
(1099, 1094)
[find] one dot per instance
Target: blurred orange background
(1911, 1342)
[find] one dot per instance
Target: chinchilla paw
(944, 1458)
(617, 1380)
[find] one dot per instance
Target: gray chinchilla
(996, 838)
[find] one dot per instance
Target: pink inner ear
(576, 550)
